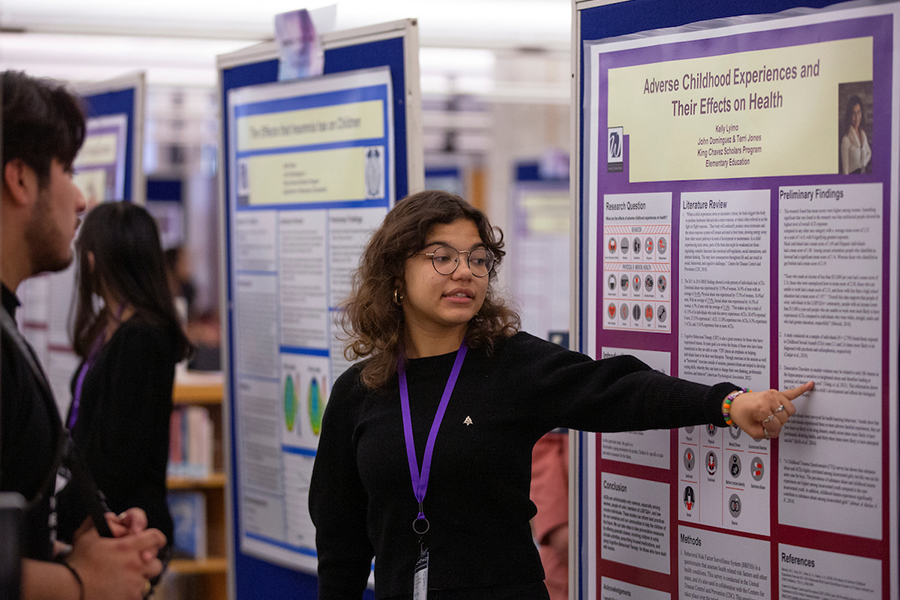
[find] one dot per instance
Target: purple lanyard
(420, 482)
(91, 357)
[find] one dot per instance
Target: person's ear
(19, 181)
(91, 261)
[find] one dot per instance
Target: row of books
(190, 442)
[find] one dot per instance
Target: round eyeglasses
(445, 260)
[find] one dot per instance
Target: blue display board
(395, 46)
(539, 253)
(449, 179)
(701, 230)
(125, 97)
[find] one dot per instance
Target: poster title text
(710, 82)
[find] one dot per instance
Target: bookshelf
(202, 579)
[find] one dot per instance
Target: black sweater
(361, 498)
(123, 421)
(30, 432)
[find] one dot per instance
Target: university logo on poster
(615, 142)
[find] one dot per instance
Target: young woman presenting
(426, 446)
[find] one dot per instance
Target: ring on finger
(780, 409)
(769, 418)
(147, 587)
(766, 432)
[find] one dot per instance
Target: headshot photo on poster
(856, 127)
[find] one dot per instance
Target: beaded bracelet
(726, 405)
(77, 577)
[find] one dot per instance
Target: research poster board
(738, 222)
(100, 164)
(540, 255)
(104, 169)
(310, 169)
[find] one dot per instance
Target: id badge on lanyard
(420, 581)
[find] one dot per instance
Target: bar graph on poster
(741, 225)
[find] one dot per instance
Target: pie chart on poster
(290, 403)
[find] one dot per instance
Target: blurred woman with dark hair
(127, 333)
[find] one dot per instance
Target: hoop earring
(398, 297)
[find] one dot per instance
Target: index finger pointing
(798, 391)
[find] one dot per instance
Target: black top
(123, 420)
(30, 432)
(361, 498)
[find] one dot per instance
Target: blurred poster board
(448, 179)
(540, 261)
(100, 164)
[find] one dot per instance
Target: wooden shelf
(203, 579)
(214, 480)
(207, 566)
(193, 387)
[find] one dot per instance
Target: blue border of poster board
(115, 103)
(610, 21)
(251, 574)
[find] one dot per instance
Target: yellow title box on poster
(98, 150)
(748, 114)
(306, 127)
(301, 177)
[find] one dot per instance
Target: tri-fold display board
(310, 168)
(737, 220)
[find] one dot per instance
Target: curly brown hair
(374, 322)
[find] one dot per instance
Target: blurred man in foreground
(43, 129)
